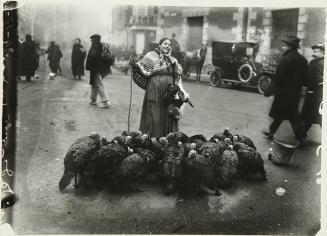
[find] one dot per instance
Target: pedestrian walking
(54, 56)
(78, 59)
(97, 67)
(175, 48)
(28, 58)
(161, 68)
(200, 62)
(288, 80)
(310, 111)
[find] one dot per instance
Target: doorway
(195, 32)
(284, 24)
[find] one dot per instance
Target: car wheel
(263, 83)
(245, 73)
(215, 79)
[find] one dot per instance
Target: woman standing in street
(162, 69)
(28, 57)
(78, 58)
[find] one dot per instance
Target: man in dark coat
(288, 79)
(78, 58)
(96, 65)
(200, 62)
(175, 48)
(27, 58)
(310, 111)
(54, 56)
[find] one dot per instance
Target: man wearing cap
(288, 80)
(310, 111)
(95, 64)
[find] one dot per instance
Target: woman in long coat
(162, 68)
(289, 77)
(27, 58)
(78, 58)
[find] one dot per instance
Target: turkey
(180, 136)
(249, 160)
(188, 147)
(198, 173)
(152, 159)
(174, 98)
(212, 151)
(244, 139)
(77, 157)
(171, 165)
(138, 140)
(156, 144)
(198, 139)
(133, 169)
(227, 168)
(174, 95)
(122, 138)
(222, 135)
(104, 163)
(223, 144)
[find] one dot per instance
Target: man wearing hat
(310, 111)
(95, 64)
(288, 80)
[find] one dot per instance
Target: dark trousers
(297, 127)
(54, 68)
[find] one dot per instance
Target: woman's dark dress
(78, 58)
(155, 119)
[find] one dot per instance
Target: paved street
(54, 113)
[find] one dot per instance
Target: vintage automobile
(235, 64)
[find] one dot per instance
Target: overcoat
(27, 58)
(54, 55)
(94, 62)
(78, 58)
(290, 75)
(313, 98)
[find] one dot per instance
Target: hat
(320, 46)
(95, 36)
(292, 41)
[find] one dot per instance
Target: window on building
(284, 24)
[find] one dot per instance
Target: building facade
(196, 25)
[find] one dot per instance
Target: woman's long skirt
(155, 119)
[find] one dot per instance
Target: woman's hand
(146, 73)
(171, 59)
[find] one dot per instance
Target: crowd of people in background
(292, 73)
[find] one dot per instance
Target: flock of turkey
(179, 162)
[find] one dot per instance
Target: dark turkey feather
(77, 157)
(198, 139)
(180, 136)
(222, 135)
(244, 139)
(212, 151)
(250, 160)
(227, 168)
(198, 172)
